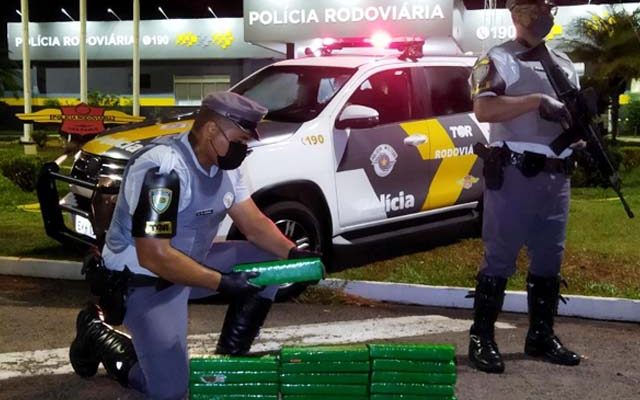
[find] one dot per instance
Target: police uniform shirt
(166, 158)
(501, 73)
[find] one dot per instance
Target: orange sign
(81, 119)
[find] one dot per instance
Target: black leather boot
(242, 324)
(543, 295)
(97, 342)
(483, 350)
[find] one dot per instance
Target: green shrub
(630, 116)
(587, 173)
(630, 157)
(39, 137)
(51, 102)
(22, 171)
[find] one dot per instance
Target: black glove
(237, 283)
(554, 110)
(296, 253)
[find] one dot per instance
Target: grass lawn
(602, 256)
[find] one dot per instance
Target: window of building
(190, 90)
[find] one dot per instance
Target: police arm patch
(157, 212)
(485, 78)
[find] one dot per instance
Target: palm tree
(8, 75)
(609, 45)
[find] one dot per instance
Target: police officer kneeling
(528, 186)
(173, 196)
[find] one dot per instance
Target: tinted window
(388, 92)
(449, 89)
(294, 93)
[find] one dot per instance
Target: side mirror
(358, 117)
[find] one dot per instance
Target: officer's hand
(554, 110)
(296, 253)
(237, 283)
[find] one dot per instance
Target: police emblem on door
(160, 199)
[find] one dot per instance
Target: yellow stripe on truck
(102, 144)
(442, 192)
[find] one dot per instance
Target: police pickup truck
(355, 149)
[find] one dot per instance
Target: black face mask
(542, 26)
(234, 157)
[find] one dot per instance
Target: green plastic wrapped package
(381, 364)
(425, 352)
(285, 271)
(232, 397)
(226, 377)
(318, 389)
(330, 378)
(322, 397)
(235, 388)
(330, 367)
(414, 389)
(234, 363)
(413, 377)
(324, 353)
(409, 397)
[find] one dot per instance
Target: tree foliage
(9, 80)
(609, 45)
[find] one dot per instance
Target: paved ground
(39, 314)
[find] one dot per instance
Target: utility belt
(529, 163)
(112, 287)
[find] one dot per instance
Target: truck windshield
(294, 93)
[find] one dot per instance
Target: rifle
(582, 107)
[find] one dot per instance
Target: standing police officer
(173, 196)
(527, 197)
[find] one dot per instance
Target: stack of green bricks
(229, 378)
(322, 372)
(412, 371)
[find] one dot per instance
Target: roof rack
(410, 48)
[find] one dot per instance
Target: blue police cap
(241, 110)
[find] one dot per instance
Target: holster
(110, 287)
(532, 164)
(494, 161)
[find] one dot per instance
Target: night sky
(49, 10)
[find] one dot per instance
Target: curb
(39, 268)
(601, 308)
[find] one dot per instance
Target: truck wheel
(297, 222)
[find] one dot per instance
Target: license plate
(84, 226)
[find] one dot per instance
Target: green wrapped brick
(413, 389)
(232, 397)
(326, 378)
(322, 397)
(235, 388)
(284, 271)
(413, 377)
(425, 352)
(330, 367)
(234, 363)
(318, 389)
(382, 364)
(409, 397)
(226, 377)
(324, 353)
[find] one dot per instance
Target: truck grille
(90, 168)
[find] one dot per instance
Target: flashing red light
(380, 40)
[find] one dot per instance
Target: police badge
(160, 199)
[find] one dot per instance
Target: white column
(136, 58)
(26, 69)
(83, 51)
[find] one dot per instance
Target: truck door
(381, 171)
